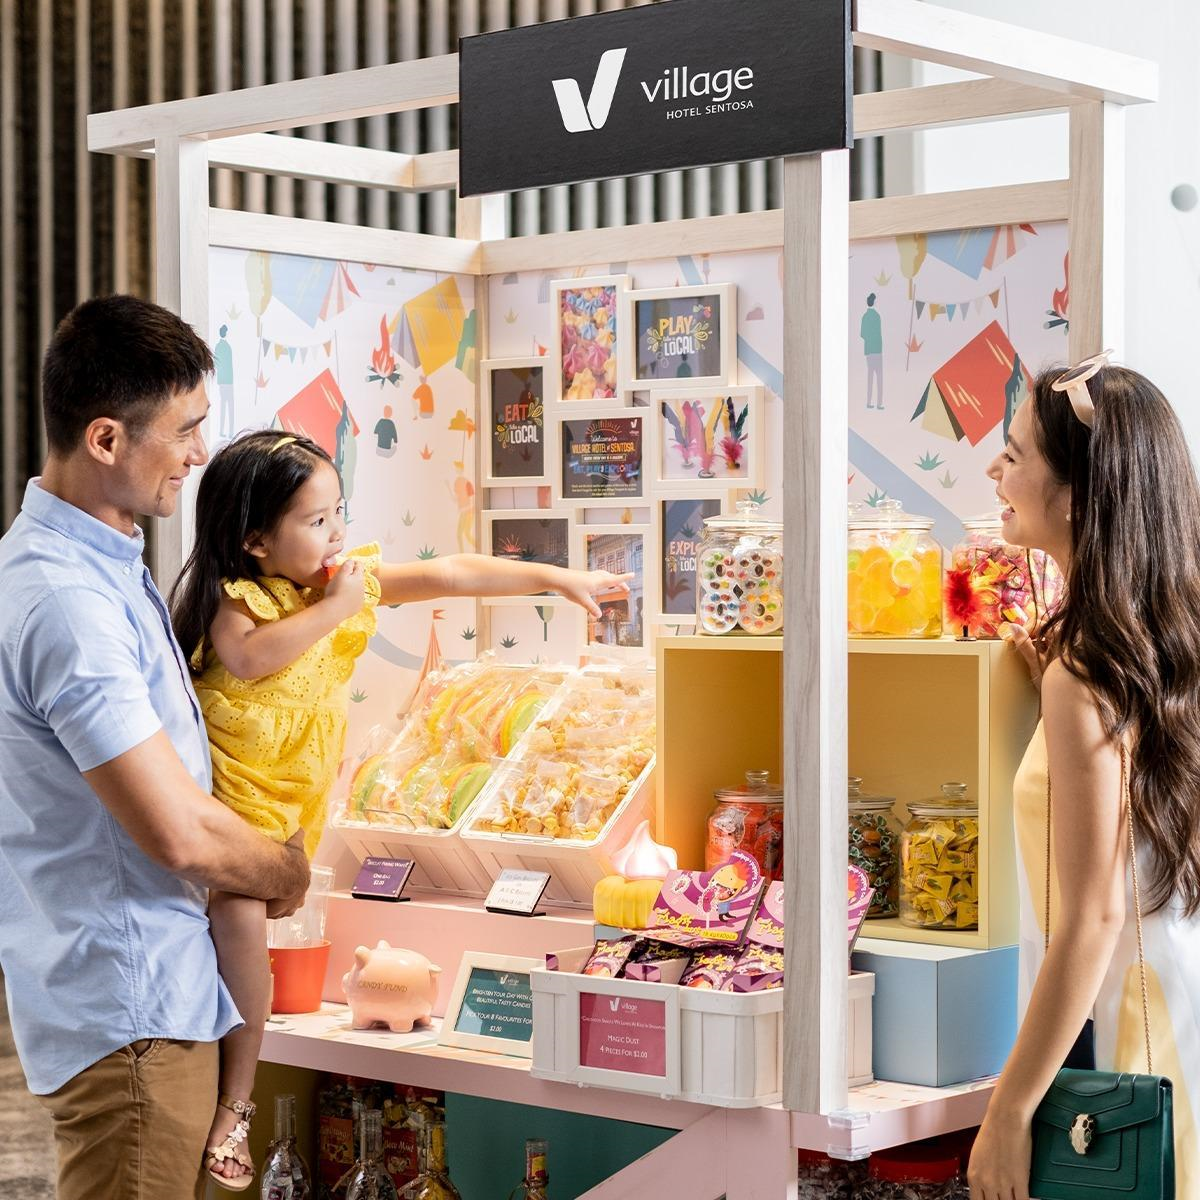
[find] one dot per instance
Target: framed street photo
(591, 343)
(513, 404)
(677, 530)
(709, 441)
(684, 337)
(602, 459)
(622, 624)
(531, 535)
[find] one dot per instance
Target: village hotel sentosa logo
(676, 85)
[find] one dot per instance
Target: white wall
(1162, 330)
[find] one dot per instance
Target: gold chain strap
(1137, 898)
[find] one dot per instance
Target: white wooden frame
(549, 459)
(1026, 74)
(649, 586)
(725, 377)
(624, 342)
(488, 520)
(577, 412)
(755, 447)
(658, 616)
(472, 960)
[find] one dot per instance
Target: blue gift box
(941, 1016)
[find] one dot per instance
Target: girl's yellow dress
(277, 741)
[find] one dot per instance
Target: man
(223, 359)
(108, 834)
(870, 329)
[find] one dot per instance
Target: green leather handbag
(1105, 1135)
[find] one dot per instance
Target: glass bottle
(537, 1179)
(874, 846)
(434, 1181)
(749, 818)
(369, 1180)
(285, 1174)
(895, 574)
(939, 862)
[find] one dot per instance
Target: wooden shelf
(877, 1115)
(732, 642)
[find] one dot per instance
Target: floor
(26, 1143)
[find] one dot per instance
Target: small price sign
(517, 892)
(623, 1033)
(491, 1007)
(382, 879)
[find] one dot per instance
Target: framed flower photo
(683, 337)
(678, 526)
(513, 404)
(530, 535)
(602, 459)
(708, 441)
(622, 625)
(589, 359)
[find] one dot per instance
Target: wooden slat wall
(73, 225)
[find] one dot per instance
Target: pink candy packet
(860, 891)
(697, 907)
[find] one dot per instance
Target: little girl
(275, 639)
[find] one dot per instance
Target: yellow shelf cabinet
(921, 713)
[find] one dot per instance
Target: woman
(1097, 473)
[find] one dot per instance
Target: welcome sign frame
(753, 1155)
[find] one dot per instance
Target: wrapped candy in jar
(913, 1173)
(739, 574)
(990, 583)
(894, 585)
(939, 862)
(748, 818)
(874, 846)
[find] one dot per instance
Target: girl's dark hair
(243, 494)
(1129, 625)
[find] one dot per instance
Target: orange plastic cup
(298, 977)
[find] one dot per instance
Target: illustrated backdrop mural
(378, 365)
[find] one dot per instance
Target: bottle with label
(369, 1180)
(536, 1183)
(285, 1173)
(434, 1181)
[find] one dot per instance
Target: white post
(816, 230)
(181, 284)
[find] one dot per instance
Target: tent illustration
(429, 328)
(315, 410)
(976, 390)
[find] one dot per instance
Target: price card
(623, 1033)
(382, 879)
(518, 892)
(491, 1007)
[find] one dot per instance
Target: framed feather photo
(709, 441)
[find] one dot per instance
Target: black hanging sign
(659, 87)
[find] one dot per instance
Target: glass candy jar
(895, 574)
(739, 574)
(939, 862)
(990, 582)
(748, 818)
(874, 846)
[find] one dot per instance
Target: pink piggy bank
(390, 986)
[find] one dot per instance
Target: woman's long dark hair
(243, 494)
(1129, 625)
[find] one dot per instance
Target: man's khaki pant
(133, 1125)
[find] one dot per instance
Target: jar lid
(860, 799)
(914, 1164)
(953, 798)
(888, 514)
(757, 789)
(984, 523)
(749, 519)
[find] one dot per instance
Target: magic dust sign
(684, 83)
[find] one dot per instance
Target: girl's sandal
(231, 1146)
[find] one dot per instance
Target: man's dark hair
(119, 357)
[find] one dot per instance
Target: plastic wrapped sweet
(990, 583)
(578, 761)
(463, 719)
(895, 575)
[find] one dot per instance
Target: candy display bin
(575, 865)
(720, 1048)
(440, 860)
